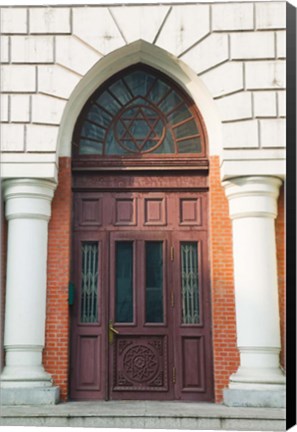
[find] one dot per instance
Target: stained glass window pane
(190, 283)
(89, 283)
(171, 101)
(124, 282)
(90, 147)
(167, 145)
(137, 114)
(178, 115)
(153, 282)
(189, 146)
(187, 129)
(108, 102)
(98, 116)
(158, 90)
(90, 130)
(121, 92)
(139, 82)
(111, 145)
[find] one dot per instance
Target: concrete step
(145, 415)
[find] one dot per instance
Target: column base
(31, 376)
(258, 378)
(255, 398)
(29, 396)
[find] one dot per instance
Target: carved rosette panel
(141, 364)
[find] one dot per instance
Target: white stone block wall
(32, 49)
(20, 108)
(237, 51)
(50, 20)
(14, 20)
(232, 16)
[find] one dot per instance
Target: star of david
(139, 127)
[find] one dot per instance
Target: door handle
(111, 328)
(111, 332)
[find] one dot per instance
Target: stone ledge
(146, 414)
(32, 396)
(149, 423)
(254, 398)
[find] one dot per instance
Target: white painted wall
(230, 57)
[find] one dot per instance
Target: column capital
(28, 198)
(252, 196)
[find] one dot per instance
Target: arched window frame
(145, 160)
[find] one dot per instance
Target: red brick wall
(56, 352)
(281, 270)
(226, 356)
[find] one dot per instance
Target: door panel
(193, 364)
(140, 364)
(140, 356)
(88, 354)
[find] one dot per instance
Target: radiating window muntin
(190, 283)
(89, 282)
(139, 113)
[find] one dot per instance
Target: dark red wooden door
(89, 317)
(151, 334)
(141, 353)
(192, 333)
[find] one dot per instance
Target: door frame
(85, 184)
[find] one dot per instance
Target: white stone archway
(141, 52)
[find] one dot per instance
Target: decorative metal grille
(190, 283)
(138, 113)
(89, 283)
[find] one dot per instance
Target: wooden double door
(141, 313)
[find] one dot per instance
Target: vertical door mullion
(111, 311)
(164, 282)
(177, 286)
(135, 254)
(103, 309)
(171, 305)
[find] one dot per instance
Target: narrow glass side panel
(190, 283)
(124, 282)
(89, 283)
(154, 282)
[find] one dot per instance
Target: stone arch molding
(144, 52)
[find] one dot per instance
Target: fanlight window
(137, 113)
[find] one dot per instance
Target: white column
(28, 209)
(259, 380)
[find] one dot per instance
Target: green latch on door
(70, 293)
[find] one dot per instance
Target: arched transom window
(139, 112)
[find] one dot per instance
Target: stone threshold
(145, 415)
